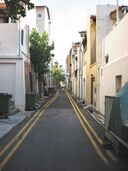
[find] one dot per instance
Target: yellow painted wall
(91, 69)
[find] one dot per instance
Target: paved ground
(58, 143)
(7, 124)
(100, 118)
(16, 117)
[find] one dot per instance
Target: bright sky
(68, 17)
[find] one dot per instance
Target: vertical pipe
(49, 30)
(19, 38)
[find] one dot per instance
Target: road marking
(101, 155)
(112, 157)
(2, 164)
(10, 154)
(21, 131)
(88, 124)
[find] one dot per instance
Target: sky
(68, 17)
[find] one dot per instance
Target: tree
(58, 74)
(40, 53)
(17, 8)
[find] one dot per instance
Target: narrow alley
(59, 137)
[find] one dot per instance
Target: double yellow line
(88, 128)
(13, 145)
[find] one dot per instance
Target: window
(118, 83)
(39, 15)
(4, 19)
(22, 36)
(93, 51)
(106, 59)
(75, 73)
(93, 42)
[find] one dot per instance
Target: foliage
(40, 52)
(57, 73)
(17, 8)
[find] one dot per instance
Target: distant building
(43, 19)
(68, 71)
(75, 69)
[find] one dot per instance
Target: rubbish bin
(46, 92)
(4, 103)
(30, 101)
(51, 91)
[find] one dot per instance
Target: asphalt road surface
(58, 142)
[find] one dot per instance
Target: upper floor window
(106, 59)
(39, 15)
(4, 19)
(93, 51)
(118, 82)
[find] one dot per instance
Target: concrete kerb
(7, 124)
(92, 111)
(15, 117)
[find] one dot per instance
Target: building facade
(91, 76)
(114, 60)
(14, 58)
(98, 27)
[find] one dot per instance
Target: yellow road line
(2, 164)
(88, 124)
(101, 155)
(10, 154)
(26, 125)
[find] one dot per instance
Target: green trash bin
(30, 101)
(4, 103)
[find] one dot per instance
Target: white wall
(103, 26)
(8, 39)
(20, 85)
(108, 81)
(40, 18)
(7, 78)
(25, 47)
(46, 24)
(116, 46)
(12, 58)
(12, 80)
(119, 40)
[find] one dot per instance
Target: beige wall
(90, 69)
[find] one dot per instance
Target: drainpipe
(49, 30)
(19, 40)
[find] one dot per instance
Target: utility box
(116, 120)
(30, 101)
(108, 107)
(4, 103)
